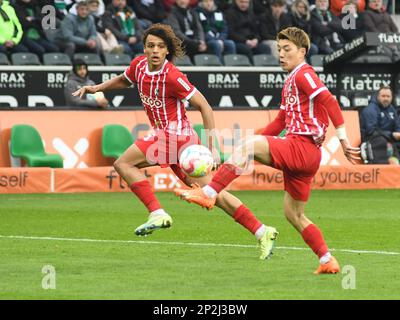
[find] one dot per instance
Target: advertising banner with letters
(106, 179)
(224, 87)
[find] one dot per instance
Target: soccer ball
(196, 161)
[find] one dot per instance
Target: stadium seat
(118, 59)
(56, 59)
(199, 129)
(263, 60)
(25, 58)
(237, 60)
(26, 143)
(207, 60)
(4, 59)
(317, 60)
(115, 140)
(183, 62)
(378, 58)
(91, 59)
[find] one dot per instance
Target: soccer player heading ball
(305, 106)
(165, 92)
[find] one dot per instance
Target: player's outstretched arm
(119, 82)
(335, 114)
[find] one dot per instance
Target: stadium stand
(317, 60)
(119, 59)
(184, 62)
(265, 60)
(91, 59)
(4, 59)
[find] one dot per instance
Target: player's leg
(256, 147)
(312, 235)
(226, 201)
(128, 166)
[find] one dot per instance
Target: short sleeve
(181, 88)
(310, 84)
(129, 72)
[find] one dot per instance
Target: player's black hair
(77, 63)
(165, 32)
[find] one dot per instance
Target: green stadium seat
(91, 59)
(237, 60)
(115, 140)
(199, 128)
(26, 143)
(118, 59)
(317, 60)
(56, 59)
(25, 59)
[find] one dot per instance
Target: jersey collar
(297, 68)
(155, 72)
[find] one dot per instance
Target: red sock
(247, 219)
(144, 192)
(315, 240)
(224, 176)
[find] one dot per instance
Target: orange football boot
(196, 195)
(331, 267)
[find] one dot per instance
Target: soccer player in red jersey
(305, 107)
(164, 92)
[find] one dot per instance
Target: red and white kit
(306, 107)
(164, 94)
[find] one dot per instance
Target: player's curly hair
(165, 32)
(295, 35)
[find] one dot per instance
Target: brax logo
(152, 103)
(272, 80)
(12, 80)
(220, 80)
(56, 80)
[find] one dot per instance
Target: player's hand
(103, 102)
(352, 154)
(82, 91)
(396, 135)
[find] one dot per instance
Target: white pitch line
(196, 244)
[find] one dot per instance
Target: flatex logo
(223, 81)
(56, 79)
(12, 79)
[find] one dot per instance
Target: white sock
(210, 192)
(158, 212)
(325, 258)
(260, 232)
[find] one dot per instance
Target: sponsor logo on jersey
(151, 102)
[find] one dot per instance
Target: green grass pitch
(205, 255)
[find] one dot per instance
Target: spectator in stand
(380, 124)
(108, 42)
(10, 30)
(78, 32)
(351, 34)
(272, 21)
(376, 20)
(34, 39)
(326, 28)
(243, 28)
(223, 5)
(78, 78)
(301, 18)
(187, 26)
(168, 4)
(336, 6)
(62, 7)
(121, 20)
(148, 11)
(99, 12)
(215, 29)
(260, 6)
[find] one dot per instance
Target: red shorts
(299, 158)
(164, 149)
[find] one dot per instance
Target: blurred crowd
(206, 26)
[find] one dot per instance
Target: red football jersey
(302, 115)
(164, 94)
